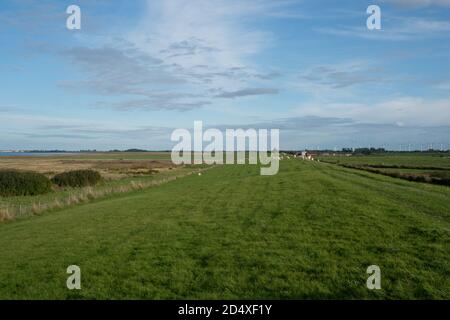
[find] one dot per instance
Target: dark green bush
(23, 183)
(77, 178)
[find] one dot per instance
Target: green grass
(396, 159)
(430, 166)
(22, 206)
(309, 232)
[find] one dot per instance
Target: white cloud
(395, 29)
(407, 111)
(419, 3)
(181, 56)
(212, 34)
(344, 81)
(341, 75)
(31, 131)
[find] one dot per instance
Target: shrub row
(77, 178)
(27, 183)
(23, 183)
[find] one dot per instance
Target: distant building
(306, 155)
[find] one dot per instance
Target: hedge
(77, 178)
(23, 183)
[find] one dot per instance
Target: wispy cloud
(247, 92)
(298, 132)
(123, 70)
(400, 111)
(342, 75)
(178, 62)
(188, 47)
(73, 133)
(161, 103)
(117, 70)
(396, 28)
(419, 3)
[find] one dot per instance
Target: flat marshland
(110, 164)
(308, 232)
(122, 172)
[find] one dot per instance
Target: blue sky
(139, 69)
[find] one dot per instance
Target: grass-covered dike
(309, 232)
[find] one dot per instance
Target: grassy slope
(308, 232)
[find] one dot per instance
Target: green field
(395, 159)
(420, 167)
(309, 232)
